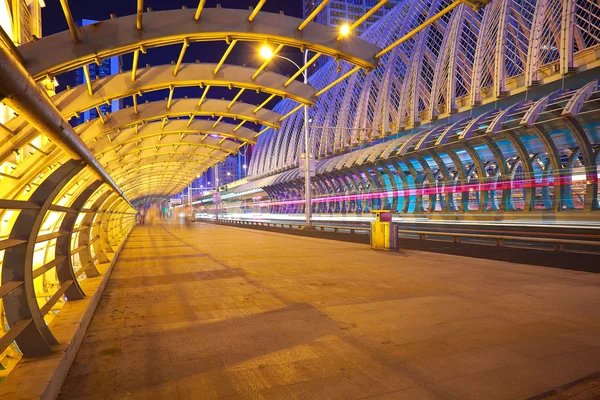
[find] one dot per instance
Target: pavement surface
(206, 311)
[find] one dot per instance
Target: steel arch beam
(105, 240)
(448, 57)
(98, 229)
(158, 110)
(64, 270)
(118, 86)
(162, 181)
(57, 53)
(151, 159)
(21, 304)
(187, 175)
(175, 139)
(158, 150)
(141, 189)
(97, 134)
(162, 178)
(163, 165)
(88, 265)
(158, 188)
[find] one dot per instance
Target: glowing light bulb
(266, 52)
(344, 29)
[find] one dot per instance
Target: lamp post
(267, 53)
(216, 185)
(307, 155)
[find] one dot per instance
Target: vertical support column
(500, 65)
(481, 175)
(394, 187)
(448, 201)
(501, 163)
(527, 167)
(406, 187)
(418, 196)
(21, 303)
(103, 246)
(64, 270)
(567, 36)
(554, 162)
(589, 161)
(462, 175)
(431, 178)
(88, 262)
(330, 190)
(535, 38)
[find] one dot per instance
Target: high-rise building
(338, 12)
(228, 170)
(21, 20)
(108, 66)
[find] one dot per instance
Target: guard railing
(556, 244)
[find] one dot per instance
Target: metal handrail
(499, 239)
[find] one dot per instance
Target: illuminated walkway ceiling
(68, 195)
(157, 148)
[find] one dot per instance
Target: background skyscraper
(108, 66)
(338, 12)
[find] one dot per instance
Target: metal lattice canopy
(65, 190)
(172, 141)
(466, 59)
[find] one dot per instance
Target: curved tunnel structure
(532, 156)
(68, 194)
(488, 111)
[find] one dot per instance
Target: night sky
(53, 21)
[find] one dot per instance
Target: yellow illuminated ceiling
(156, 148)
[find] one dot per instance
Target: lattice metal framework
(465, 59)
(65, 191)
(535, 155)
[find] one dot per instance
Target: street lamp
(267, 53)
(345, 29)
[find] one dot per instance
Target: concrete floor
(206, 311)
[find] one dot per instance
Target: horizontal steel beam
(57, 53)
(118, 86)
(157, 110)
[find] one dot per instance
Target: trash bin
(384, 232)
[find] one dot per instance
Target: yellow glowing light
(344, 29)
(266, 52)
